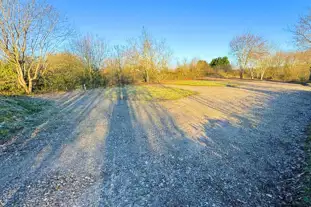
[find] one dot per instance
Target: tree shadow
(31, 161)
(261, 152)
(264, 158)
(150, 160)
(110, 150)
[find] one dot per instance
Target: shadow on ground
(99, 149)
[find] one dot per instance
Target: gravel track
(224, 147)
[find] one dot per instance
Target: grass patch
(201, 83)
(148, 93)
(15, 112)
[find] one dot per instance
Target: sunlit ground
(154, 92)
(146, 142)
(200, 83)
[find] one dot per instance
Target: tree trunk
(29, 86)
(146, 76)
(252, 74)
(91, 77)
(262, 75)
(148, 79)
(23, 83)
(310, 75)
(241, 73)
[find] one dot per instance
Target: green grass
(156, 92)
(201, 83)
(148, 93)
(15, 112)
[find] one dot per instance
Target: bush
(299, 73)
(64, 72)
(8, 80)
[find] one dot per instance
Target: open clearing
(219, 146)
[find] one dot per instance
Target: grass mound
(148, 93)
(16, 112)
(201, 83)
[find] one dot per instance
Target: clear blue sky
(193, 28)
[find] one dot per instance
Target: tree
(302, 31)
(246, 48)
(149, 55)
(30, 29)
(117, 63)
(93, 51)
(203, 67)
(302, 34)
(220, 62)
(263, 64)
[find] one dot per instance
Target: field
(161, 145)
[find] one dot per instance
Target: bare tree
(29, 30)
(247, 48)
(93, 51)
(118, 62)
(263, 64)
(150, 55)
(302, 32)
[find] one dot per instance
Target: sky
(193, 28)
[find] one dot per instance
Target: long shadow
(234, 110)
(267, 158)
(27, 162)
(149, 160)
(125, 156)
(263, 152)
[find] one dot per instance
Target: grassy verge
(201, 83)
(148, 93)
(16, 112)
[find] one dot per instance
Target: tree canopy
(220, 61)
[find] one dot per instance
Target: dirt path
(223, 147)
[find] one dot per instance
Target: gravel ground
(224, 147)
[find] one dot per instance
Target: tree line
(256, 58)
(39, 53)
